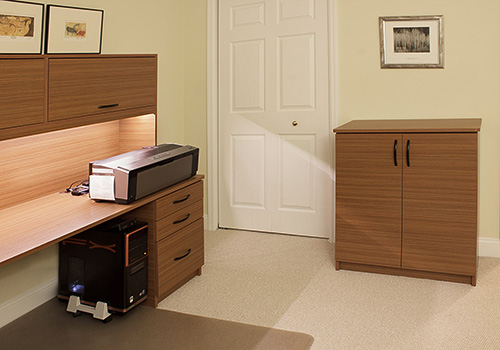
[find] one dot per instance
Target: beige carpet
(290, 283)
(50, 326)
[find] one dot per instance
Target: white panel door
(275, 155)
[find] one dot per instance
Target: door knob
(294, 123)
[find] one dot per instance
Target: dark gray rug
(50, 326)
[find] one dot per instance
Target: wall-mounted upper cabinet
(42, 93)
(22, 92)
(80, 87)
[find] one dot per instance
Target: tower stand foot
(100, 311)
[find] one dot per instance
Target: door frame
(212, 179)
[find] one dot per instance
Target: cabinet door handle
(181, 200)
(183, 256)
(408, 153)
(182, 220)
(395, 152)
(109, 106)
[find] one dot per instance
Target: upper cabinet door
(368, 198)
(22, 88)
(440, 202)
(88, 86)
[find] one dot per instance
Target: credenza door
(368, 198)
(440, 202)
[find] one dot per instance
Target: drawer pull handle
(408, 153)
(109, 106)
(395, 152)
(182, 257)
(182, 200)
(182, 220)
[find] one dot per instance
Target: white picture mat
(22, 44)
(431, 57)
(59, 16)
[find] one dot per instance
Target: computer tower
(107, 263)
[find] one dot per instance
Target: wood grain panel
(61, 157)
(409, 273)
(179, 199)
(179, 219)
(410, 126)
(368, 199)
(38, 165)
(22, 92)
(26, 130)
(440, 203)
(180, 255)
(136, 133)
(90, 86)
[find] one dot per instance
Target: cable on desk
(77, 188)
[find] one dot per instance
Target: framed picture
(21, 27)
(411, 42)
(73, 30)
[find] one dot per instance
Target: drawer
(179, 199)
(178, 220)
(179, 255)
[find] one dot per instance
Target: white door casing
(275, 151)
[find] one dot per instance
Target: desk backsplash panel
(35, 166)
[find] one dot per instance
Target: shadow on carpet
(50, 326)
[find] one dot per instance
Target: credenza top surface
(410, 126)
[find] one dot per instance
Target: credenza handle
(182, 200)
(109, 106)
(182, 220)
(395, 152)
(183, 256)
(408, 153)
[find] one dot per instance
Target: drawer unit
(176, 237)
(179, 256)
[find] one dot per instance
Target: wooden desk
(34, 225)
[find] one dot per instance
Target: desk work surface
(33, 225)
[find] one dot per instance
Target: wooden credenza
(406, 197)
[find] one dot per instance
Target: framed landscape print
(411, 42)
(73, 30)
(21, 27)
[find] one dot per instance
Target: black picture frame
(21, 27)
(73, 30)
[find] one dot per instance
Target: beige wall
(195, 80)
(468, 86)
(173, 29)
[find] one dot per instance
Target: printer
(129, 176)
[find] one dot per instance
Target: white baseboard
(489, 247)
(205, 222)
(26, 302)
